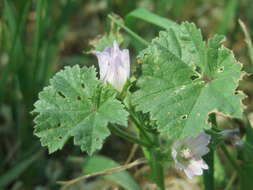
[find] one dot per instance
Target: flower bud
(114, 65)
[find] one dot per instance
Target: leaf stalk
(116, 130)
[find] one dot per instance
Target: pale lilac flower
(187, 154)
(114, 65)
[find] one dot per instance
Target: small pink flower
(187, 154)
(114, 65)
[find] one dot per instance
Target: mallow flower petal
(174, 153)
(125, 60)
(189, 173)
(103, 62)
(116, 47)
(204, 165)
(114, 65)
(200, 150)
(202, 139)
(196, 167)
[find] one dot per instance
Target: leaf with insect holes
(185, 79)
(77, 104)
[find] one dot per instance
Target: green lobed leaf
(76, 104)
(184, 79)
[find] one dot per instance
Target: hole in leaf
(61, 94)
(236, 92)
(193, 77)
(184, 117)
(60, 137)
(221, 69)
(198, 69)
(78, 98)
(82, 85)
(59, 124)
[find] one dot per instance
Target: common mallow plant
(183, 81)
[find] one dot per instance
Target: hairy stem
(139, 126)
(153, 154)
(208, 175)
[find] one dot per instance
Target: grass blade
(17, 170)
(248, 42)
(129, 31)
(149, 17)
(228, 17)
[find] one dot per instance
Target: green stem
(139, 126)
(132, 33)
(230, 158)
(208, 175)
(156, 166)
(152, 154)
(116, 130)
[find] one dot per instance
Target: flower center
(186, 153)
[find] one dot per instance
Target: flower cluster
(187, 154)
